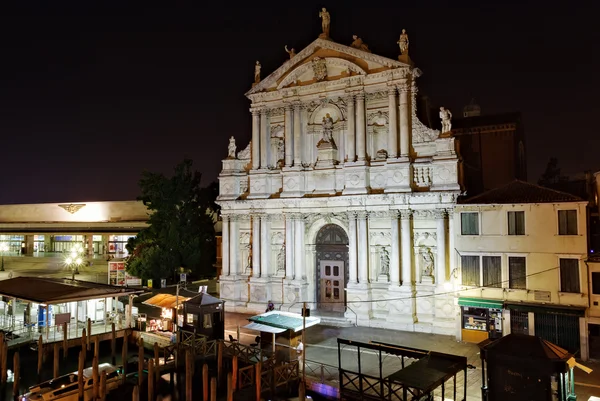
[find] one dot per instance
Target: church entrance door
(332, 286)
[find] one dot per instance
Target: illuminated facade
(342, 199)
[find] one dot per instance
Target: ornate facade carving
(380, 238)
(422, 176)
(244, 237)
(245, 154)
(419, 237)
(378, 117)
(423, 214)
(377, 95)
(420, 132)
(277, 238)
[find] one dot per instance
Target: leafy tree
(181, 227)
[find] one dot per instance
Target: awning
(285, 320)
(264, 328)
(481, 303)
(165, 301)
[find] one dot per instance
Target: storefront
(162, 323)
(480, 319)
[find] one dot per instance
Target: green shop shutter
(481, 303)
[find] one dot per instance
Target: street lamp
(74, 259)
(3, 248)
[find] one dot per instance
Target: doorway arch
(331, 269)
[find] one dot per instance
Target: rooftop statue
(403, 42)
(359, 44)
(292, 52)
(325, 21)
(257, 68)
(446, 117)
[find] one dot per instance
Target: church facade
(343, 199)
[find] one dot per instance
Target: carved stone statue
(325, 21)
(359, 44)
(257, 68)
(319, 67)
(403, 42)
(327, 128)
(427, 262)
(385, 261)
(245, 154)
(446, 117)
(292, 52)
(231, 148)
(281, 258)
(280, 150)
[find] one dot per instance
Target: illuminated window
(516, 223)
(469, 223)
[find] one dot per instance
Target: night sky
(94, 93)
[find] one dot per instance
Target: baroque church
(342, 198)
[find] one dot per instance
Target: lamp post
(74, 259)
(3, 248)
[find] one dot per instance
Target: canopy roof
(59, 290)
(203, 299)
(165, 301)
(527, 347)
(281, 320)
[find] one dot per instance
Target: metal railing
(321, 372)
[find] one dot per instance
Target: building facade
(521, 265)
(342, 198)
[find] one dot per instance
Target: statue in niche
(280, 150)
(292, 52)
(385, 261)
(249, 262)
(231, 148)
(281, 259)
(359, 44)
(325, 22)
(427, 263)
(446, 117)
(257, 68)
(403, 42)
(327, 128)
(319, 69)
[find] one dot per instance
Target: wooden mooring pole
(80, 374)
(113, 344)
(213, 389)
(56, 359)
(140, 362)
(17, 375)
(124, 354)
(205, 382)
(151, 380)
(157, 362)
(40, 350)
(189, 375)
(65, 340)
(89, 333)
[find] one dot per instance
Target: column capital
(349, 97)
(406, 214)
(361, 215)
(439, 214)
(288, 107)
(224, 218)
(392, 91)
(360, 96)
(394, 214)
(351, 215)
(404, 88)
(265, 112)
(450, 212)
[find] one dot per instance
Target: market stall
(168, 305)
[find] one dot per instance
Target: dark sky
(94, 93)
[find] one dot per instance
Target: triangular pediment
(340, 60)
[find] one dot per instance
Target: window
(567, 222)
(569, 275)
(517, 273)
(483, 271)
(516, 223)
(207, 324)
(469, 223)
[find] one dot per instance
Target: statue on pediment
(327, 128)
(359, 44)
(325, 21)
(257, 68)
(446, 117)
(319, 69)
(231, 148)
(403, 42)
(292, 52)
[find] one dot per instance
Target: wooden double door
(332, 279)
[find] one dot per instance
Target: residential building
(521, 251)
(342, 198)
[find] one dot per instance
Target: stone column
(289, 150)
(255, 246)
(392, 147)
(352, 249)
(404, 122)
(440, 260)
(350, 141)
(265, 142)
(255, 139)
(395, 254)
(363, 248)
(299, 247)
(405, 237)
(225, 245)
(451, 252)
(289, 247)
(265, 247)
(234, 246)
(297, 135)
(361, 127)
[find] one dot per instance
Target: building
(342, 198)
(521, 252)
(492, 149)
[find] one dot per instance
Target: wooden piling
(89, 333)
(213, 389)
(1, 354)
(136, 394)
(96, 347)
(113, 344)
(103, 386)
(17, 374)
(156, 362)
(151, 380)
(124, 353)
(65, 340)
(4, 363)
(56, 359)
(189, 375)
(140, 362)
(301, 391)
(205, 382)
(83, 342)
(229, 387)
(258, 379)
(40, 355)
(95, 379)
(80, 374)
(220, 360)
(234, 373)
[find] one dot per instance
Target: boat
(65, 388)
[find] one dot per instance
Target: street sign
(182, 277)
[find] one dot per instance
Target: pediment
(339, 60)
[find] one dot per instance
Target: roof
(203, 299)
(429, 372)
(521, 192)
(284, 320)
(165, 301)
(59, 290)
(527, 347)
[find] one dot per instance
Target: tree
(552, 173)
(181, 230)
